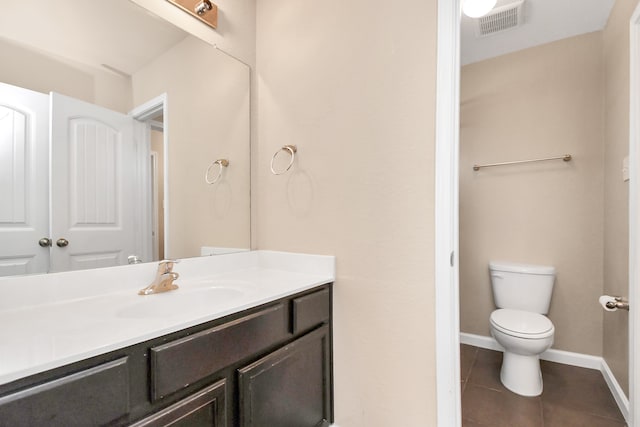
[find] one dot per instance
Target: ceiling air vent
(501, 19)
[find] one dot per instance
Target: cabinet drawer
(204, 408)
(311, 310)
(96, 396)
(179, 363)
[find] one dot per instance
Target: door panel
(93, 148)
(93, 185)
(290, 387)
(24, 170)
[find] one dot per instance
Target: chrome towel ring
(222, 163)
(291, 149)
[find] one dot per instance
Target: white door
(93, 188)
(24, 178)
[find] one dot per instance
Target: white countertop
(56, 319)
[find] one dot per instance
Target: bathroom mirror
(191, 103)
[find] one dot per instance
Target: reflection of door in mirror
(92, 208)
(96, 195)
(24, 171)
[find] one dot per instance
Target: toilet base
(521, 374)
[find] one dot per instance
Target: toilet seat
(521, 324)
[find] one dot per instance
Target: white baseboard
(558, 356)
(564, 357)
(480, 341)
(616, 390)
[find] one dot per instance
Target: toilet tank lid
(513, 267)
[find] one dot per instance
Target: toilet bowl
(524, 336)
(522, 294)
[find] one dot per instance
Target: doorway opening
(154, 132)
(447, 226)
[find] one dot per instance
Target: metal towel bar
(566, 158)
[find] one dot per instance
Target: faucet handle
(166, 282)
(166, 265)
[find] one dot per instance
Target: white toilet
(522, 294)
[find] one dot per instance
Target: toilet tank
(522, 286)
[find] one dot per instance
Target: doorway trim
(144, 113)
(634, 221)
(449, 408)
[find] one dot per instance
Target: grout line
(465, 381)
(471, 366)
(541, 412)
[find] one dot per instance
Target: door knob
(133, 259)
(45, 242)
(62, 243)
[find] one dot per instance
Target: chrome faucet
(164, 279)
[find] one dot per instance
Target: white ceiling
(117, 33)
(544, 21)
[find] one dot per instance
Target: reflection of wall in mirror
(157, 147)
(208, 103)
(236, 31)
(23, 67)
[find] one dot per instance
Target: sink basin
(173, 303)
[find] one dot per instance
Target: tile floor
(572, 396)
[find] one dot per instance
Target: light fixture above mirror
(203, 10)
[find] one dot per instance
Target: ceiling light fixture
(477, 8)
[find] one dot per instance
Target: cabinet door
(290, 387)
(203, 409)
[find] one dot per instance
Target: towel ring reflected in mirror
(222, 163)
(292, 150)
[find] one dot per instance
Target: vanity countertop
(56, 319)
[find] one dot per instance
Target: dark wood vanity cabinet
(269, 366)
(205, 408)
(287, 388)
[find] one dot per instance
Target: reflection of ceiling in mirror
(116, 33)
(544, 21)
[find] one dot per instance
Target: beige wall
(353, 85)
(616, 205)
(208, 99)
(31, 69)
(236, 31)
(540, 102)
